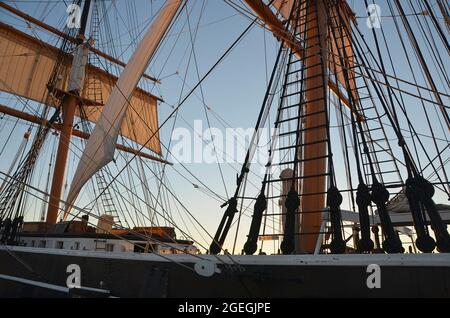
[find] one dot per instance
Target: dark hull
(146, 277)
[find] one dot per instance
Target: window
(76, 246)
(139, 248)
(109, 247)
(144, 248)
(60, 245)
(42, 244)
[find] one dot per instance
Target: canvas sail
(31, 61)
(100, 148)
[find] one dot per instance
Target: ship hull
(32, 272)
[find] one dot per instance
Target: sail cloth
(26, 67)
(100, 148)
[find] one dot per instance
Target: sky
(233, 92)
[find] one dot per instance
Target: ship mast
(57, 126)
(100, 148)
(71, 91)
(315, 150)
(69, 106)
(315, 136)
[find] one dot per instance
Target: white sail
(100, 148)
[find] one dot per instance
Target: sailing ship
(348, 130)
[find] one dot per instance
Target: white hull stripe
(403, 260)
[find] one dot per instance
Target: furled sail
(100, 148)
(27, 65)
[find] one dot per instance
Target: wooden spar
(75, 132)
(57, 32)
(313, 189)
(445, 13)
(277, 27)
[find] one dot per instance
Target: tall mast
(69, 106)
(312, 154)
(315, 152)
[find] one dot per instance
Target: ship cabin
(79, 235)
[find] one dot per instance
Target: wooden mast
(99, 150)
(315, 150)
(70, 99)
(277, 27)
(69, 107)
